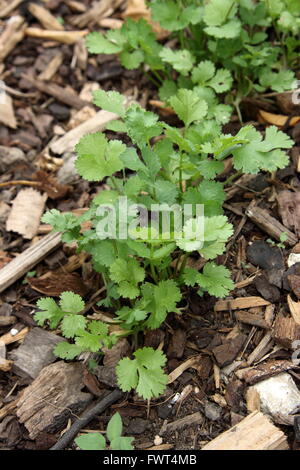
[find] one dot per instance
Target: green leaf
(122, 443)
(229, 30)
(265, 155)
(96, 43)
(160, 300)
(182, 61)
(216, 12)
(222, 81)
(114, 427)
(50, 311)
(110, 101)
(188, 106)
(204, 71)
(172, 16)
(131, 60)
(167, 90)
(60, 222)
(123, 270)
(215, 280)
(71, 324)
(91, 441)
(144, 373)
(67, 351)
(166, 191)
(142, 125)
(71, 303)
(98, 158)
(277, 81)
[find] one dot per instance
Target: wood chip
(71, 138)
(240, 303)
(195, 418)
(66, 37)
(7, 115)
(52, 67)
(252, 375)
(28, 259)
(192, 362)
(6, 10)
(61, 94)
(12, 34)
(270, 225)
(263, 436)
(8, 338)
(252, 319)
(45, 17)
(286, 331)
(261, 349)
(26, 213)
(294, 309)
(97, 11)
(52, 398)
(34, 353)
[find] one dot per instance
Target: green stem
(233, 177)
(183, 264)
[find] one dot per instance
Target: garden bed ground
(218, 348)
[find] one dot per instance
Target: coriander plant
(165, 174)
(223, 44)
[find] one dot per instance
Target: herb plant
(147, 275)
(220, 41)
(95, 440)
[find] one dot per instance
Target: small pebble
(157, 441)
(212, 411)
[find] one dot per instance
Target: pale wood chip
(26, 213)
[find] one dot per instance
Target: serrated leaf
(110, 101)
(97, 43)
(144, 373)
(222, 81)
(71, 303)
(215, 280)
(182, 61)
(67, 351)
(98, 158)
(71, 324)
(188, 106)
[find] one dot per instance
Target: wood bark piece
(58, 92)
(45, 17)
(241, 302)
(294, 309)
(7, 116)
(255, 432)
(35, 352)
(6, 320)
(28, 259)
(12, 34)
(195, 418)
(53, 397)
(52, 67)
(286, 331)
(252, 319)
(98, 11)
(261, 348)
(66, 37)
(8, 338)
(270, 225)
(252, 375)
(71, 138)
(26, 213)
(6, 10)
